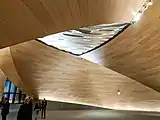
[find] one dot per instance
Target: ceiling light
(118, 92)
(150, 3)
(134, 13)
(137, 17)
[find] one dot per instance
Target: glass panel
(13, 88)
(13, 93)
(17, 98)
(7, 85)
(18, 90)
(6, 95)
(11, 98)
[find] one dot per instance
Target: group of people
(26, 110)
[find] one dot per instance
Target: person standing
(2, 100)
(36, 110)
(5, 108)
(40, 105)
(43, 108)
(24, 112)
(30, 107)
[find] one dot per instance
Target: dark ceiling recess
(84, 40)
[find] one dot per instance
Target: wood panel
(2, 82)
(23, 20)
(59, 76)
(135, 52)
(17, 23)
(8, 68)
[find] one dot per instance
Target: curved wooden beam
(59, 76)
(8, 68)
(135, 53)
(2, 82)
(23, 20)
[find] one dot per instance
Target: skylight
(83, 40)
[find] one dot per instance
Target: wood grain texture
(8, 68)
(2, 82)
(59, 76)
(136, 52)
(23, 20)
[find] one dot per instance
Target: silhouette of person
(5, 108)
(43, 108)
(25, 110)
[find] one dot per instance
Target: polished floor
(66, 111)
(95, 115)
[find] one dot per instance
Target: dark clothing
(40, 106)
(44, 104)
(43, 108)
(24, 112)
(43, 113)
(37, 108)
(1, 103)
(30, 109)
(5, 110)
(4, 117)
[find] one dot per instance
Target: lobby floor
(95, 115)
(54, 113)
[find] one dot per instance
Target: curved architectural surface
(46, 72)
(59, 76)
(135, 53)
(23, 20)
(7, 66)
(2, 82)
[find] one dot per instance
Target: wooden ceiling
(47, 72)
(23, 20)
(59, 76)
(136, 52)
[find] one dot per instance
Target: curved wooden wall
(47, 72)
(23, 20)
(2, 82)
(136, 52)
(59, 76)
(7, 66)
